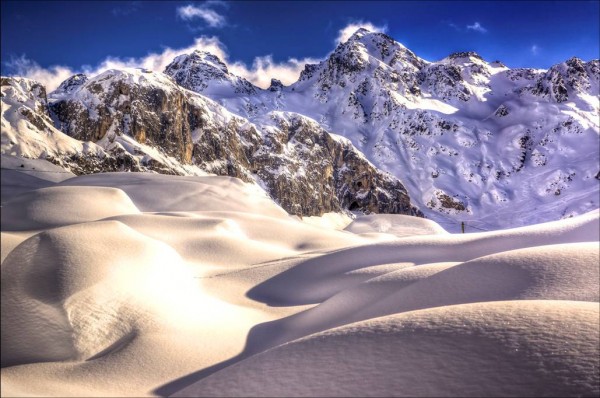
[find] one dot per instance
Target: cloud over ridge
(260, 72)
(346, 32)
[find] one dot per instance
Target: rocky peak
(308, 72)
(379, 46)
(147, 106)
(566, 79)
(368, 38)
(276, 85)
(581, 76)
(471, 55)
(71, 84)
(28, 130)
(359, 34)
(202, 71)
(203, 58)
(367, 59)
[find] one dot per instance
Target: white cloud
(477, 27)
(50, 77)
(453, 25)
(126, 9)
(264, 68)
(259, 73)
(535, 49)
(204, 12)
(347, 31)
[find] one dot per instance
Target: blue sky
(49, 40)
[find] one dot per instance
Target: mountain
(471, 140)
(370, 128)
(140, 120)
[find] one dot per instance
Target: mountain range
(373, 128)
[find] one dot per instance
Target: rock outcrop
(27, 130)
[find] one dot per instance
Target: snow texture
(137, 284)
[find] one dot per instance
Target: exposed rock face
(297, 161)
(111, 104)
(568, 78)
(328, 174)
(28, 131)
(276, 85)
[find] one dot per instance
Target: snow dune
(510, 348)
(131, 284)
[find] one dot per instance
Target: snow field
(131, 284)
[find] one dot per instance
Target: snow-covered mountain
(140, 120)
(472, 140)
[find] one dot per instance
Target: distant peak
(367, 37)
(361, 31)
(574, 61)
(276, 85)
(204, 55)
(198, 57)
(366, 33)
(72, 83)
(465, 54)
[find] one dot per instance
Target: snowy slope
(154, 285)
(472, 140)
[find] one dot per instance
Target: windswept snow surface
(134, 284)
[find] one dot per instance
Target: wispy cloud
(264, 68)
(259, 72)
(347, 31)
(204, 12)
(535, 49)
(50, 77)
(477, 27)
(453, 25)
(126, 8)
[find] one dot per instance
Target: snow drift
(131, 284)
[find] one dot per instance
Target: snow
(492, 349)
(138, 284)
(394, 224)
(447, 138)
(329, 220)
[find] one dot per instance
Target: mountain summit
(205, 73)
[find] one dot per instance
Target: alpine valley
(371, 129)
